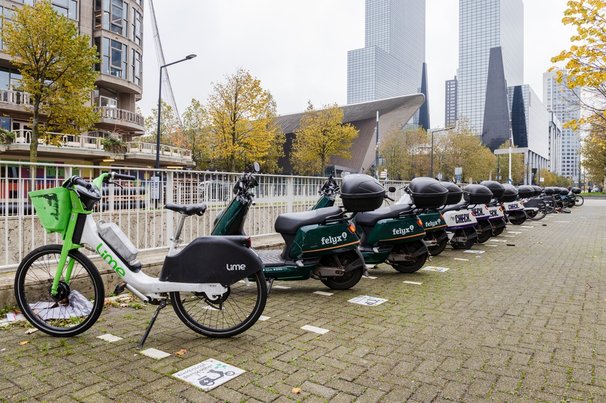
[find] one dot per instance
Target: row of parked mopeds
(337, 245)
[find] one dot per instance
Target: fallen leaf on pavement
(30, 331)
(296, 391)
(181, 352)
(23, 343)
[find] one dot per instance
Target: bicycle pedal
(120, 287)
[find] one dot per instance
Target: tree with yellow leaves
(462, 148)
(57, 68)
(405, 153)
(585, 61)
(594, 152)
(242, 124)
(320, 136)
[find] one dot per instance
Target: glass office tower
(486, 24)
(391, 62)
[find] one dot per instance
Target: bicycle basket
(53, 208)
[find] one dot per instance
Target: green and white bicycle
(215, 284)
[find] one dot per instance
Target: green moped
(320, 244)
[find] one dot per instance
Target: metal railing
(138, 207)
(15, 97)
(24, 136)
(123, 115)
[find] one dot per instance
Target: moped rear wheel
(344, 282)
(439, 248)
(79, 299)
(498, 231)
(228, 315)
(410, 266)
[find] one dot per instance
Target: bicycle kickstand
(151, 324)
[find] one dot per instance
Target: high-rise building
(391, 62)
(450, 116)
(116, 29)
(483, 25)
(565, 104)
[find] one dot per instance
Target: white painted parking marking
(370, 277)
(326, 294)
(314, 329)
(154, 353)
(460, 259)
(436, 269)
(475, 252)
(281, 287)
(264, 318)
(413, 282)
(109, 338)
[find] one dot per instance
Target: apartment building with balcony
(116, 30)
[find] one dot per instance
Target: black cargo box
(576, 191)
(361, 192)
(427, 193)
(525, 191)
(550, 191)
(477, 194)
(510, 194)
(563, 191)
(454, 193)
(495, 187)
(537, 190)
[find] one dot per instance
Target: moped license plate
(513, 206)
(493, 213)
(462, 218)
(478, 212)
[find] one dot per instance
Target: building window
(136, 76)
(114, 57)
(137, 27)
(68, 8)
(112, 15)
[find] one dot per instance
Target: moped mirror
(391, 189)
(256, 167)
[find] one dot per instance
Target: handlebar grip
(82, 182)
(116, 175)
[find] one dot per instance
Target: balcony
(123, 117)
(15, 97)
(88, 147)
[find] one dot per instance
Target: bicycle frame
(139, 283)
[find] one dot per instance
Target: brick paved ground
(517, 323)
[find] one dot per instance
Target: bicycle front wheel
(226, 315)
(79, 299)
(580, 200)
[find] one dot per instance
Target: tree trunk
(33, 146)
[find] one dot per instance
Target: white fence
(135, 207)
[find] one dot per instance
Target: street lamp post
(188, 57)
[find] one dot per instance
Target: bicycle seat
(187, 209)
(289, 223)
(370, 218)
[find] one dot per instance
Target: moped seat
(289, 223)
(455, 207)
(187, 209)
(370, 218)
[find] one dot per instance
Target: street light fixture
(188, 57)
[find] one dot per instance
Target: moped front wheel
(227, 315)
(580, 200)
(78, 302)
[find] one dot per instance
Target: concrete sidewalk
(523, 321)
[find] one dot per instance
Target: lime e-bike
(215, 284)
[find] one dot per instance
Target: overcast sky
(298, 48)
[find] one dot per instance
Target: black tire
(464, 245)
(517, 219)
(412, 266)
(344, 282)
(439, 248)
(484, 235)
(580, 200)
(33, 282)
(231, 314)
(498, 231)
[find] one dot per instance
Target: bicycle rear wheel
(78, 302)
(225, 316)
